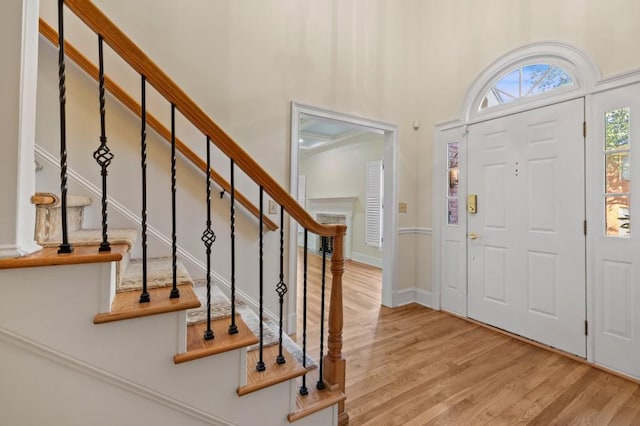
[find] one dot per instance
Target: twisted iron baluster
(103, 155)
(281, 287)
(260, 366)
(175, 293)
(303, 388)
(320, 382)
(233, 328)
(208, 238)
(144, 296)
(65, 246)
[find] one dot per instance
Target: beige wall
(458, 40)
(341, 172)
(397, 61)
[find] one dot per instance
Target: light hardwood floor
(415, 366)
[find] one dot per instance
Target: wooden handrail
(119, 93)
(99, 23)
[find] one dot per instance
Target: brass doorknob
(473, 236)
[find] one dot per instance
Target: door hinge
(584, 129)
(586, 327)
(585, 227)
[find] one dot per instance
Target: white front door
(526, 247)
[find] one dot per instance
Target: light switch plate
(402, 207)
(272, 207)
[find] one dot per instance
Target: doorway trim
(390, 245)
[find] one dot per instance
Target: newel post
(334, 363)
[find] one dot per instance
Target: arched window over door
(529, 80)
(528, 77)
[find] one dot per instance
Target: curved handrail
(119, 93)
(99, 23)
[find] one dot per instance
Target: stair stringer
(197, 267)
(138, 351)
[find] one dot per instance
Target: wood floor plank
(415, 366)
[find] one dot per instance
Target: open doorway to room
(343, 171)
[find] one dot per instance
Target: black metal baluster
(281, 288)
(260, 366)
(175, 293)
(103, 155)
(233, 328)
(320, 383)
(208, 237)
(303, 388)
(144, 296)
(65, 246)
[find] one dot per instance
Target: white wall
(341, 172)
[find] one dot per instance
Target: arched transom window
(529, 80)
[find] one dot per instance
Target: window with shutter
(374, 203)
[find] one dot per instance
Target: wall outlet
(273, 209)
(402, 207)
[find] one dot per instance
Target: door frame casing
(390, 156)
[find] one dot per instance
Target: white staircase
(133, 371)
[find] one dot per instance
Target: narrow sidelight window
(452, 183)
(617, 177)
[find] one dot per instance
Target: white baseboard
(10, 251)
(367, 260)
(415, 295)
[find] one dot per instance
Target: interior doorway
(365, 150)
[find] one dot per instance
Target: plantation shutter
(373, 207)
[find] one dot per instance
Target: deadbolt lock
(472, 204)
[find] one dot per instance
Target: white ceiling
(315, 132)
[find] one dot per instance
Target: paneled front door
(526, 247)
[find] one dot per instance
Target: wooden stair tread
(126, 305)
(81, 255)
(274, 373)
(315, 400)
(198, 348)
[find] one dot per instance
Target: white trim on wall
(367, 260)
(415, 295)
(417, 231)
